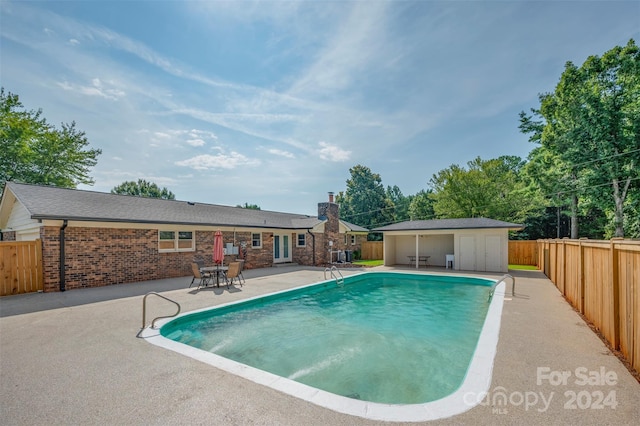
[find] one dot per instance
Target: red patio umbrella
(218, 249)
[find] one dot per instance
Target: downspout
(313, 244)
(62, 278)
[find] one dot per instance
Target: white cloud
(333, 153)
(358, 44)
(219, 161)
(281, 153)
(97, 88)
(195, 142)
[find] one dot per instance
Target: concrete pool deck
(73, 358)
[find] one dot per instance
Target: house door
(281, 248)
(493, 253)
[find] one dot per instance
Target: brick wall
(97, 257)
(104, 256)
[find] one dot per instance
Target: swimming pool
(387, 346)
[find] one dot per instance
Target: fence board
(372, 250)
(601, 279)
(20, 267)
(571, 274)
(523, 253)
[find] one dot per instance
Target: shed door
(493, 253)
(468, 253)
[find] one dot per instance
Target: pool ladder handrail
(144, 309)
(339, 280)
(504, 277)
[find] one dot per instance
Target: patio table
(217, 270)
(425, 259)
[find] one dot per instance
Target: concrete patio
(73, 358)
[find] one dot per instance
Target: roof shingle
(438, 224)
(49, 202)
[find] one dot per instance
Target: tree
(401, 203)
(249, 206)
(33, 151)
(488, 188)
(591, 125)
(142, 188)
(421, 207)
(364, 202)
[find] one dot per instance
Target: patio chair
(234, 271)
(204, 277)
(240, 276)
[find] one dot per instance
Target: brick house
(103, 239)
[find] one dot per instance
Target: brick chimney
(329, 212)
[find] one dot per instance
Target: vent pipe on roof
(62, 265)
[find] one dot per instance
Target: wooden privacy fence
(523, 252)
(20, 267)
(372, 250)
(601, 279)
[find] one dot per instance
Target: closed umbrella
(218, 250)
(218, 253)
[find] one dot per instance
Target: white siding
(27, 229)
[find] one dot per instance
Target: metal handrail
(144, 309)
(339, 281)
(493, 287)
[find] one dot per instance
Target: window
(256, 240)
(167, 239)
(176, 241)
(185, 240)
(302, 240)
(353, 240)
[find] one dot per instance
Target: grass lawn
(524, 267)
(368, 262)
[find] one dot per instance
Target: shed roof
(53, 203)
(442, 224)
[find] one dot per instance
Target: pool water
(390, 338)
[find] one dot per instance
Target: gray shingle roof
(354, 228)
(48, 202)
(468, 223)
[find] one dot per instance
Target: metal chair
(204, 277)
(234, 272)
(240, 276)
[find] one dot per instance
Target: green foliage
(33, 151)
(401, 203)
(249, 206)
(421, 207)
(142, 188)
(365, 201)
(589, 129)
(488, 188)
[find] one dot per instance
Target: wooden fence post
(615, 283)
(581, 274)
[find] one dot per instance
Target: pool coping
(471, 392)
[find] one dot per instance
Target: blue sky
(271, 103)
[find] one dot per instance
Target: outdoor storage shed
(472, 244)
